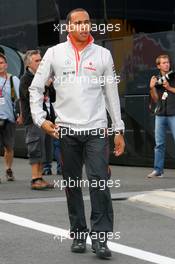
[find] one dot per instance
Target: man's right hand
(153, 91)
(50, 128)
(153, 82)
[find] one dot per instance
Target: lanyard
(1, 88)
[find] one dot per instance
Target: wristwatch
(119, 132)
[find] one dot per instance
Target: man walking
(35, 136)
(81, 101)
(9, 91)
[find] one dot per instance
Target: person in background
(57, 155)
(35, 136)
(9, 92)
(163, 94)
(49, 98)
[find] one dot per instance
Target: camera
(167, 77)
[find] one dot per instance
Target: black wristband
(119, 132)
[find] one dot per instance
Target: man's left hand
(50, 128)
(166, 85)
(119, 145)
(19, 120)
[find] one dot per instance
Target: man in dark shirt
(164, 96)
(35, 137)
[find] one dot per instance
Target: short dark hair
(3, 56)
(68, 18)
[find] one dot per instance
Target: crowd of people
(15, 110)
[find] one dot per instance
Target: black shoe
(9, 175)
(78, 245)
(101, 249)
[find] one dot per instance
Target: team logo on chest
(90, 66)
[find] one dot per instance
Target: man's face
(35, 60)
(164, 65)
(80, 26)
(3, 65)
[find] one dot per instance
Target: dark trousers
(48, 154)
(93, 150)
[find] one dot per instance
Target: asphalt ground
(34, 225)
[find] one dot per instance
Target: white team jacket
(81, 98)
